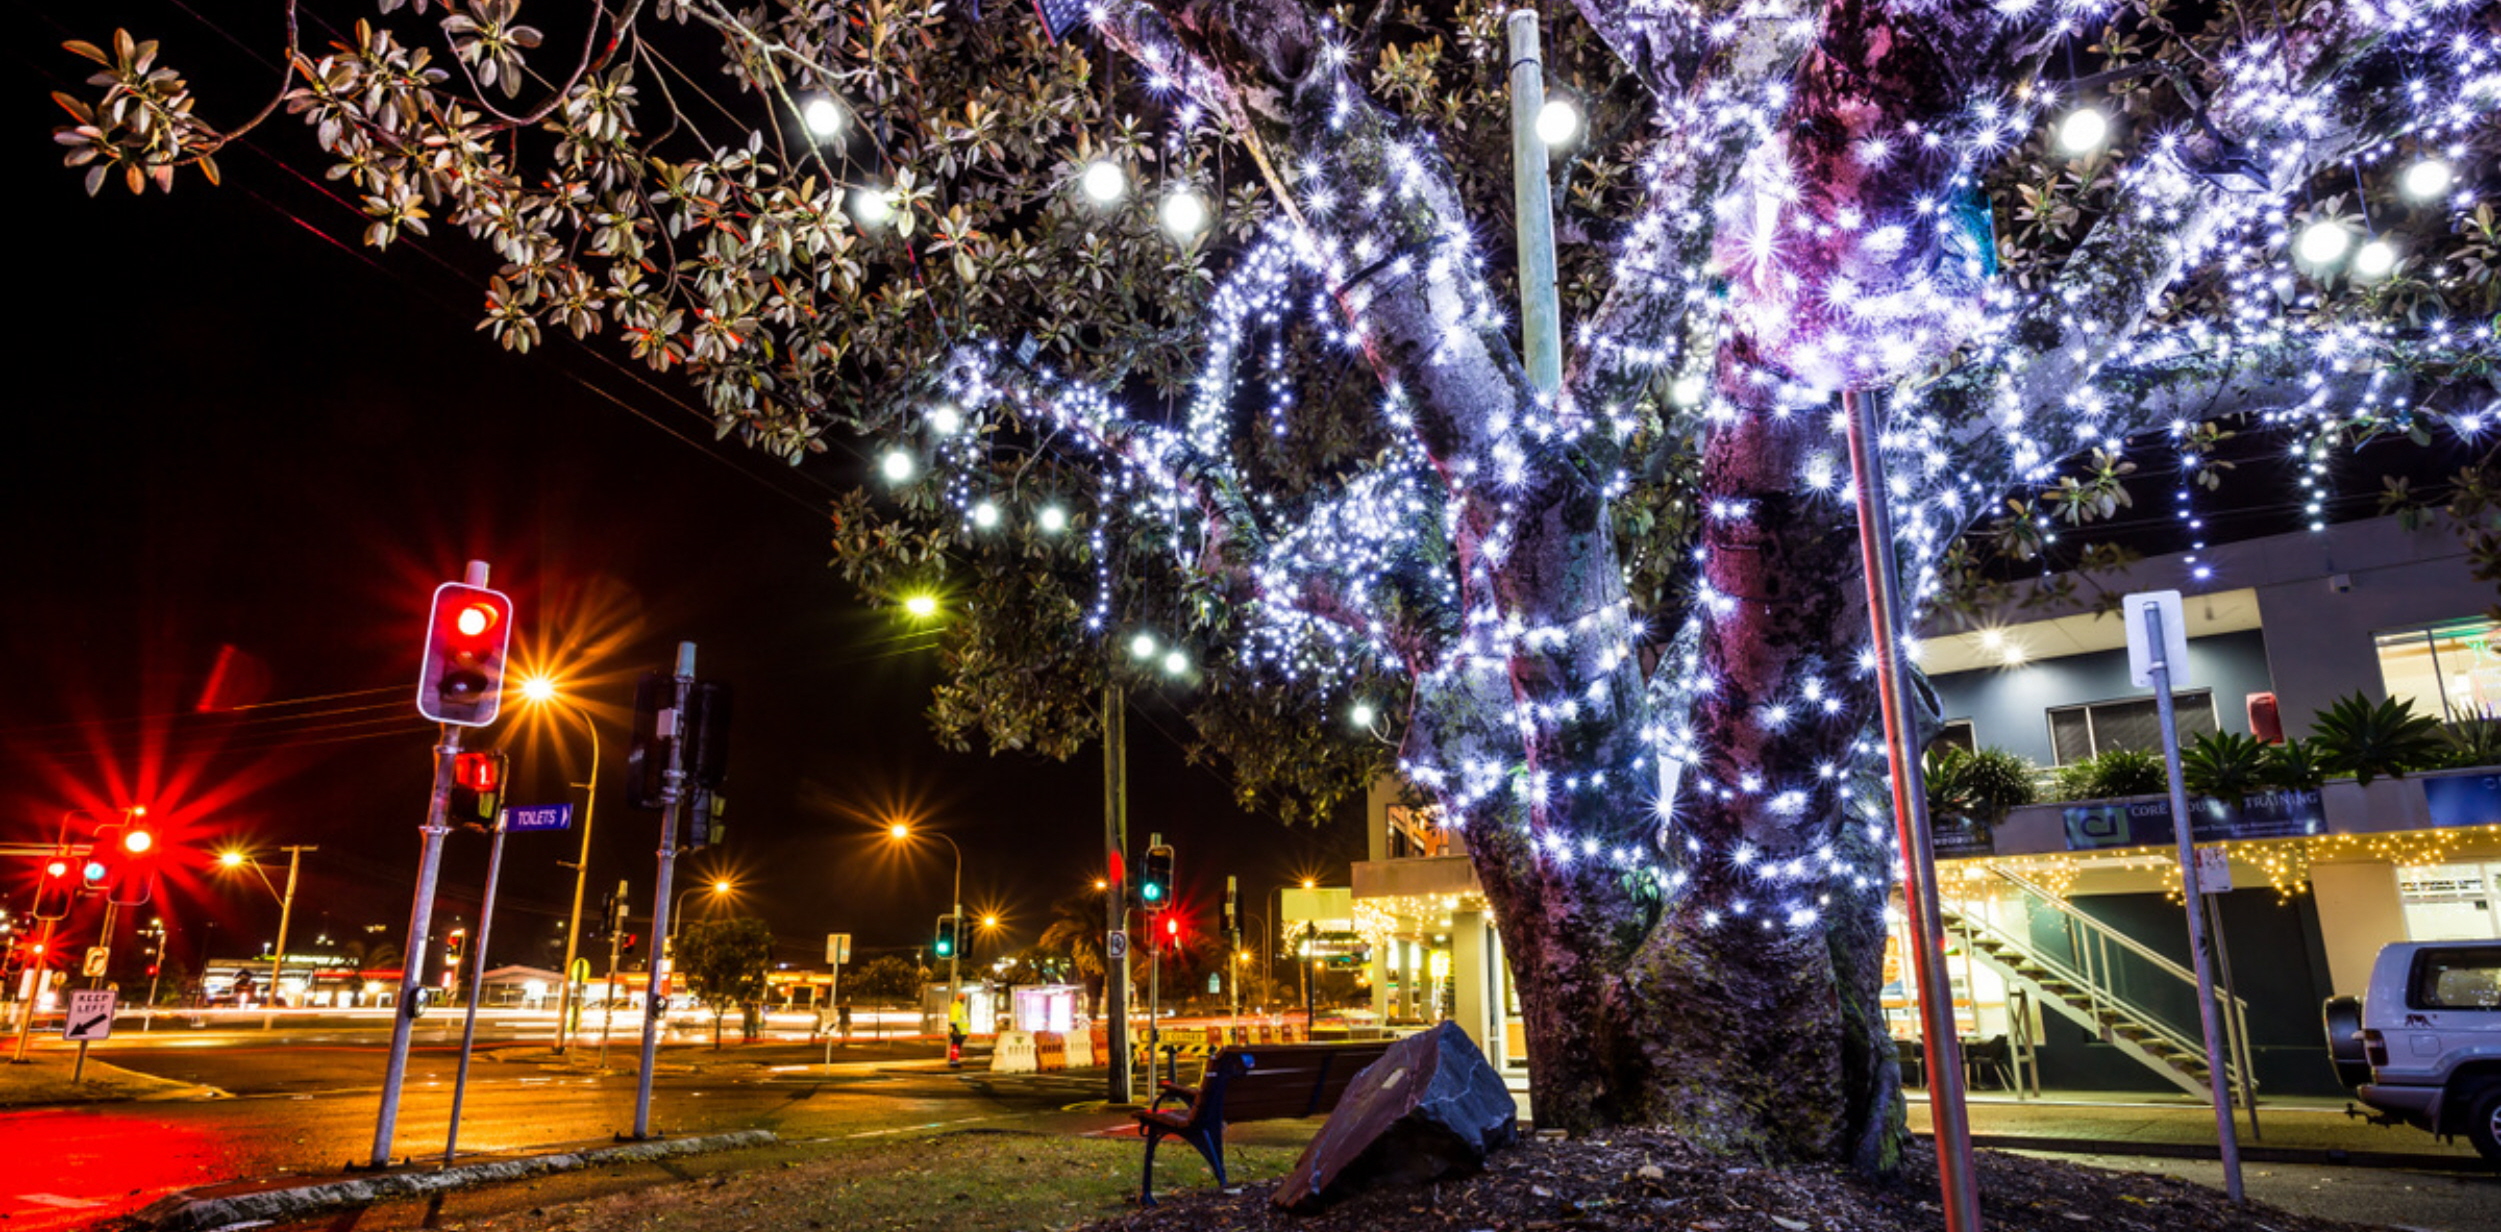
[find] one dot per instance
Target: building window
(1415, 832)
(2080, 732)
(2450, 902)
(2451, 670)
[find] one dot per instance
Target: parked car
(2422, 1046)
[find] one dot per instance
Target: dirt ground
(1635, 1180)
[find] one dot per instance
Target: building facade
(2068, 928)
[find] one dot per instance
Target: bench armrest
(1174, 1090)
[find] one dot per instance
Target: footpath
(43, 1079)
(2290, 1130)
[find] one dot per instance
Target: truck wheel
(2483, 1122)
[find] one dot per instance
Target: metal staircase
(2083, 985)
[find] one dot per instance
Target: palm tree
(1076, 931)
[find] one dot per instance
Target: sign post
(2157, 648)
(672, 793)
(90, 1018)
(837, 952)
(477, 984)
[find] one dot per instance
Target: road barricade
(1082, 1050)
(1014, 1053)
(1050, 1050)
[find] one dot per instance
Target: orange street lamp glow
(231, 859)
(539, 689)
(720, 887)
(898, 831)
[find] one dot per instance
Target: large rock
(1431, 1107)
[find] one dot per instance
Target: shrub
(2119, 772)
(2224, 765)
(2294, 766)
(2472, 742)
(2366, 741)
(1979, 785)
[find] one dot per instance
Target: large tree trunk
(1739, 1002)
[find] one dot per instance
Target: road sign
(98, 958)
(2174, 637)
(90, 1015)
(539, 817)
(1215, 983)
(837, 948)
(1118, 944)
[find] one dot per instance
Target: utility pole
(608, 1004)
(566, 999)
(1116, 890)
(672, 791)
(1955, 1179)
(286, 913)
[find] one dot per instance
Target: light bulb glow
(1052, 519)
(2083, 131)
(945, 420)
(985, 515)
(1362, 714)
(871, 205)
(2427, 179)
(896, 466)
(2375, 259)
(1103, 181)
(822, 117)
(1142, 646)
(1558, 121)
(921, 607)
(1184, 214)
(1176, 663)
(2323, 241)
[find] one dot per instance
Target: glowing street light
(901, 832)
(543, 691)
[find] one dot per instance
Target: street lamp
(235, 858)
(541, 691)
(901, 832)
(720, 888)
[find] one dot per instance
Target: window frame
(2179, 700)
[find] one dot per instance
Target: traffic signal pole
(568, 1001)
(34, 991)
(672, 791)
(1116, 891)
(477, 982)
(412, 956)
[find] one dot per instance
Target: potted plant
(2112, 775)
(2365, 740)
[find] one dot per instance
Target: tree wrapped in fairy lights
(1179, 341)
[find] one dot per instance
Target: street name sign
(539, 817)
(837, 948)
(90, 1016)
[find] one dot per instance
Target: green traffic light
(1152, 891)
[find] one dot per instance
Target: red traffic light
(480, 772)
(461, 681)
(57, 868)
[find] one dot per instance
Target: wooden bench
(1259, 1082)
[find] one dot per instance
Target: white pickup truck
(2422, 1046)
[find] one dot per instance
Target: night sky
(236, 432)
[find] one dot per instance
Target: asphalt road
(304, 1104)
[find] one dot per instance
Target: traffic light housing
(135, 850)
(705, 812)
(1155, 877)
(54, 889)
(943, 944)
(478, 787)
(461, 681)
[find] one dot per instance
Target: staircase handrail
(2105, 932)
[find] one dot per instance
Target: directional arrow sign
(90, 1015)
(539, 817)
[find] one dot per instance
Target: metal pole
(2183, 829)
(1948, 1117)
(41, 971)
(1532, 200)
(608, 1004)
(477, 984)
(286, 913)
(2235, 1027)
(955, 952)
(1116, 891)
(156, 971)
(672, 783)
(1310, 932)
(78, 1068)
(565, 997)
(412, 957)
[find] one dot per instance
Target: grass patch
(972, 1181)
